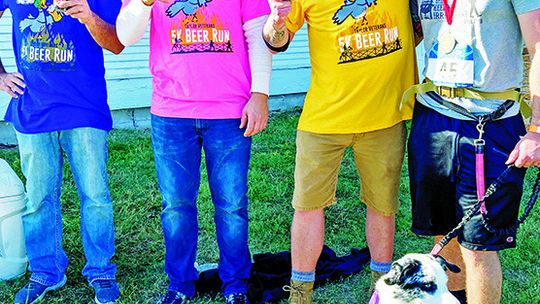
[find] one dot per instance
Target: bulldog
(416, 279)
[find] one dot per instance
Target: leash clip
(480, 142)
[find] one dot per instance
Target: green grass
(139, 250)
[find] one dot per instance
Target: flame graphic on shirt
(200, 32)
(373, 36)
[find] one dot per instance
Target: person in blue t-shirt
(59, 107)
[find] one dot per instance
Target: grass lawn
(139, 251)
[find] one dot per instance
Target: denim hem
(229, 292)
(104, 278)
(43, 281)
(188, 291)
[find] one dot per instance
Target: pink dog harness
(375, 297)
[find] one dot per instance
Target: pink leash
(479, 150)
(479, 147)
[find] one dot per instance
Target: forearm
(260, 58)
(534, 83)
(132, 22)
(104, 34)
(276, 34)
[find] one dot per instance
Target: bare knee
(477, 258)
(300, 215)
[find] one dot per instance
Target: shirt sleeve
(260, 59)
(252, 9)
(132, 22)
(296, 17)
(108, 10)
(524, 6)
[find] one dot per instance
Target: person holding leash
(210, 91)
(467, 129)
(59, 107)
(362, 56)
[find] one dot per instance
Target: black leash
(480, 207)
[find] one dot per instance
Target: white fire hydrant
(13, 261)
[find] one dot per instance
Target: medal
(447, 42)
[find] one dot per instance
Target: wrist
(91, 21)
(148, 2)
(259, 96)
(279, 25)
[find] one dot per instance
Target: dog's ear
(447, 265)
(399, 273)
(393, 277)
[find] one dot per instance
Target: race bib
(451, 64)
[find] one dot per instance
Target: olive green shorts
(378, 157)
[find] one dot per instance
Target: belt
(448, 92)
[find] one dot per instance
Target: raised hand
(78, 9)
(280, 9)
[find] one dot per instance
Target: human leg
(480, 246)
(452, 252)
(41, 162)
(87, 153)
(484, 276)
(177, 151)
(318, 161)
(379, 159)
(227, 154)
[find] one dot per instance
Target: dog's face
(417, 278)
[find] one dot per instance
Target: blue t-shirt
(62, 66)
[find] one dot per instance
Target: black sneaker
(173, 297)
(236, 298)
(107, 291)
(34, 292)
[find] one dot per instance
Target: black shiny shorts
(443, 180)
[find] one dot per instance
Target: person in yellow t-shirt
(363, 59)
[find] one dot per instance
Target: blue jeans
(42, 161)
(177, 147)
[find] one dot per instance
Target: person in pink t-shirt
(211, 73)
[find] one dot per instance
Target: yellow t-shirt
(362, 58)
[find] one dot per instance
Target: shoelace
(105, 284)
(301, 292)
(237, 298)
(30, 286)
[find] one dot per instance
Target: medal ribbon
(449, 10)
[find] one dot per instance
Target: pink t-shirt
(199, 57)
